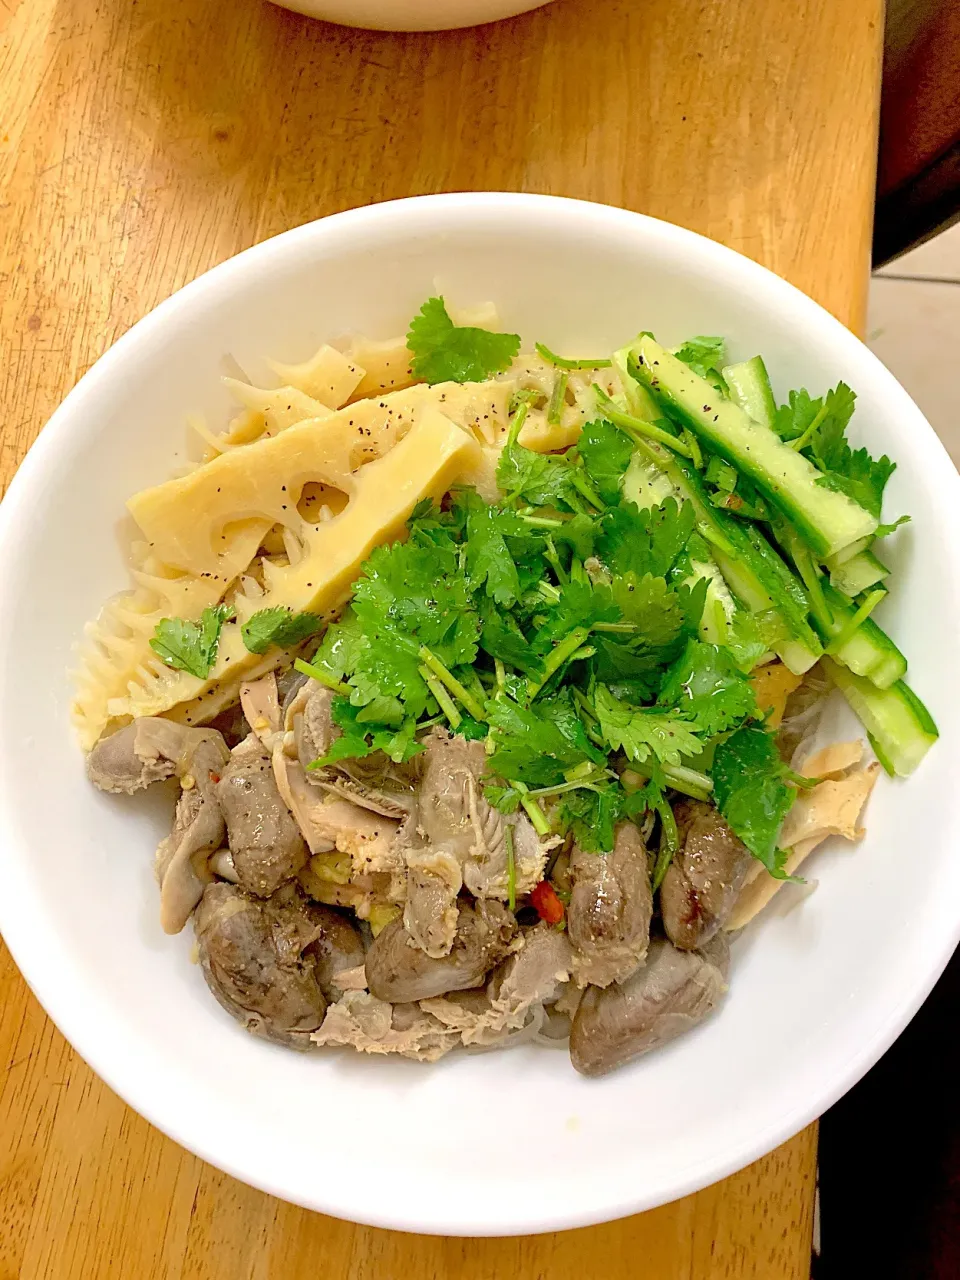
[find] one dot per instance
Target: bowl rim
(91, 1039)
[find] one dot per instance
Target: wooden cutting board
(142, 141)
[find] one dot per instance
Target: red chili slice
(548, 905)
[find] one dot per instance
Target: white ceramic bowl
(505, 1142)
(411, 15)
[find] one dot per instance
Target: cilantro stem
(532, 809)
(579, 771)
(557, 657)
(585, 651)
(669, 843)
(696, 454)
(558, 398)
(586, 704)
(541, 522)
(583, 484)
(635, 426)
(501, 674)
(549, 592)
(474, 684)
(688, 781)
(428, 724)
(431, 661)
(511, 868)
(321, 676)
(810, 575)
(861, 615)
(553, 560)
(614, 626)
(588, 784)
(447, 705)
(560, 362)
(516, 424)
(802, 441)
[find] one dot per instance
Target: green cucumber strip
(645, 484)
(859, 573)
(860, 615)
(869, 652)
(900, 728)
(752, 569)
(749, 385)
(854, 549)
(827, 520)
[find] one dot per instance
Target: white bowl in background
(504, 1142)
(411, 15)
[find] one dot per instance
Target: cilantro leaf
(502, 638)
(472, 729)
(542, 479)
(341, 646)
(536, 745)
(591, 815)
(579, 533)
(861, 478)
(824, 420)
(653, 607)
(489, 562)
(191, 646)
(445, 352)
(421, 593)
(657, 612)
(693, 600)
(751, 792)
(643, 733)
(704, 355)
(884, 530)
(721, 475)
(382, 710)
(430, 527)
(853, 472)
(633, 671)
(581, 604)
(506, 799)
(649, 796)
(838, 406)
(647, 541)
(388, 665)
(707, 687)
(278, 626)
(797, 415)
(359, 738)
(606, 452)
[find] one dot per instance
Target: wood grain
(141, 141)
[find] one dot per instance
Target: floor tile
(914, 327)
(938, 258)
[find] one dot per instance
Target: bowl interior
(819, 987)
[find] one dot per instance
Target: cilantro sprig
(817, 428)
(752, 792)
(280, 627)
(445, 352)
(191, 646)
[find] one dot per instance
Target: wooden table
(144, 140)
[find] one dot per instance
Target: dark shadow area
(918, 178)
(890, 1156)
